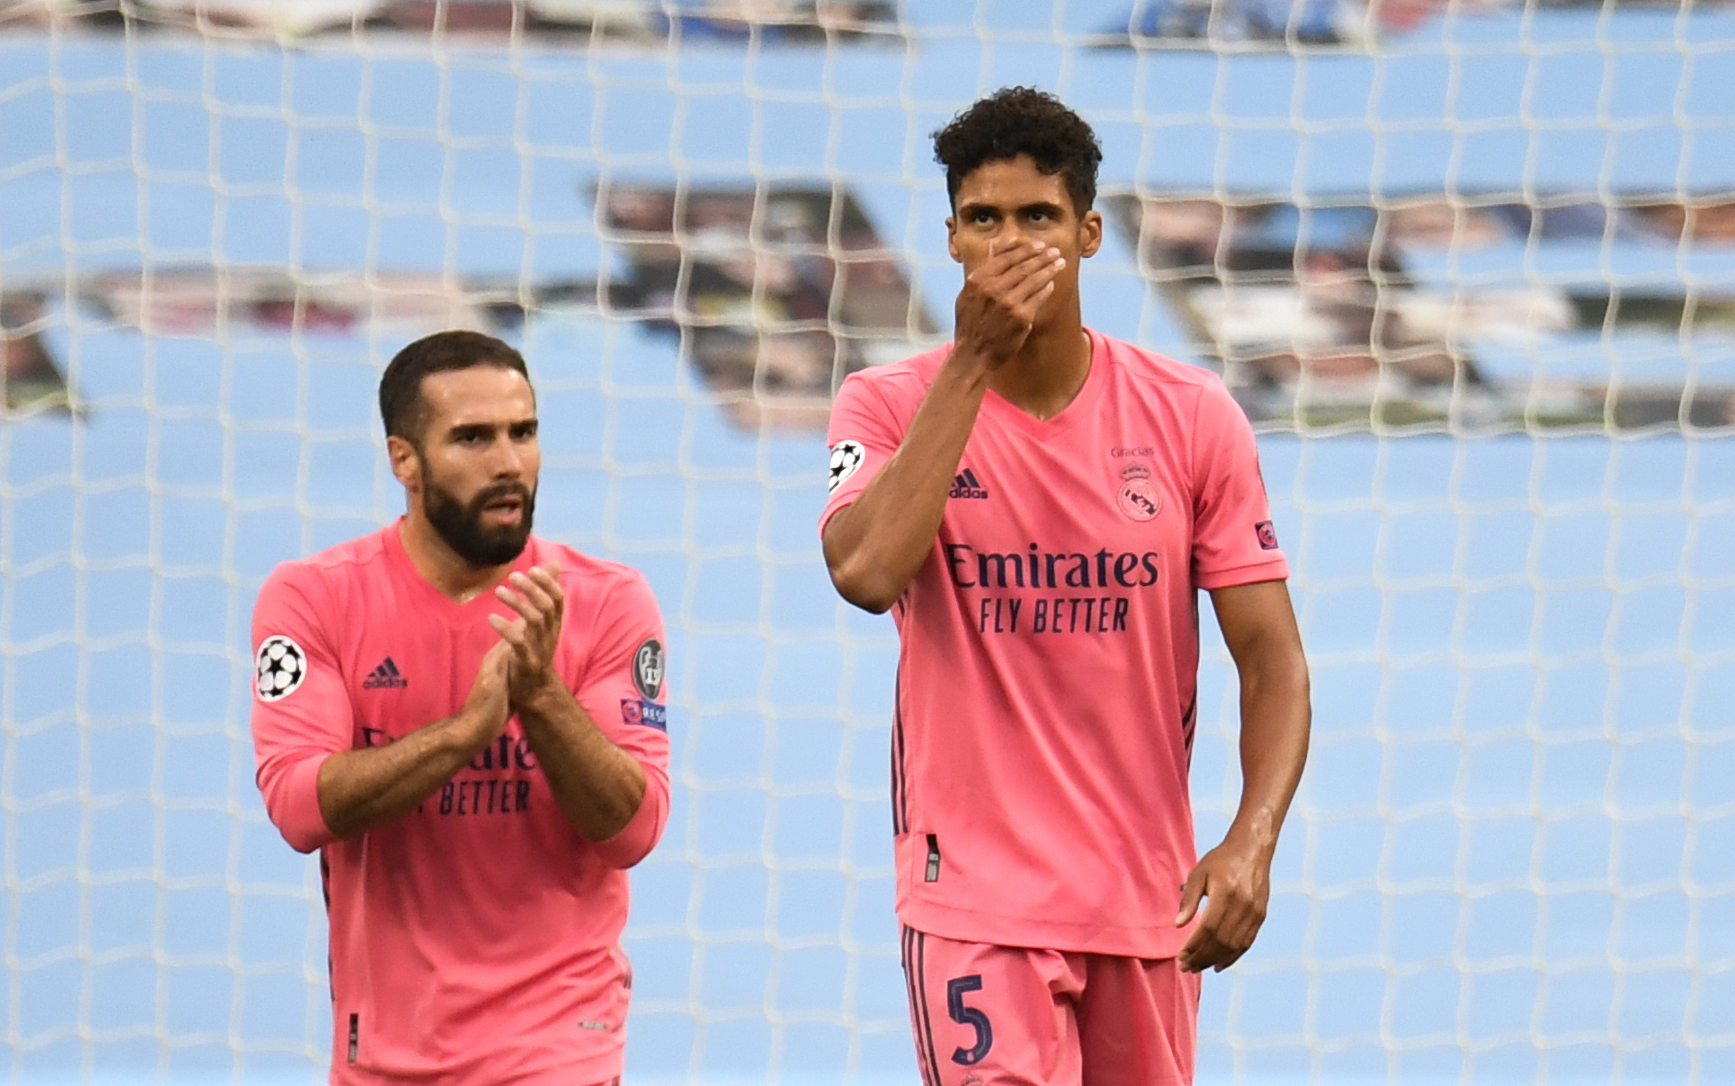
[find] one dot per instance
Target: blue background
(1510, 860)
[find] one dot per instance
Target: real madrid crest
(1138, 499)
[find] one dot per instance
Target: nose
(508, 459)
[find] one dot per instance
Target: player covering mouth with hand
(1039, 505)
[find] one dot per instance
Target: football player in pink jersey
(468, 722)
(1039, 505)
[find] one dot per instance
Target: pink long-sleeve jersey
(475, 939)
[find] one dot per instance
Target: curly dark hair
(1017, 121)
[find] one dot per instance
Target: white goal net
(1469, 266)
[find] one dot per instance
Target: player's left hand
(1236, 877)
(537, 597)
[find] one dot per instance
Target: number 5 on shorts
(969, 1016)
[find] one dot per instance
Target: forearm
(360, 789)
(1276, 718)
(598, 785)
(875, 546)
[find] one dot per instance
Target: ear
(406, 465)
(952, 238)
(1090, 233)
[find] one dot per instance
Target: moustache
(495, 492)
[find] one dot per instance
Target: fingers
(1017, 272)
(1224, 934)
(1021, 256)
(535, 595)
(531, 599)
(511, 631)
(1001, 297)
(546, 577)
(1206, 950)
(497, 661)
(1021, 291)
(491, 676)
(1229, 923)
(1028, 295)
(1198, 948)
(1191, 891)
(532, 638)
(487, 702)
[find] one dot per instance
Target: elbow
(302, 843)
(869, 600)
(302, 837)
(290, 792)
(624, 858)
(856, 572)
(865, 588)
(634, 841)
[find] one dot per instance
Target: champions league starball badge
(280, 668)
(846, 457)
(1138, 499)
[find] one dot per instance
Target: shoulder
(1177, 388)
(1159, 373)
(899, 380)
(316, 577)
(876, 405)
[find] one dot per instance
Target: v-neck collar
(1007, 413)
(435, 602)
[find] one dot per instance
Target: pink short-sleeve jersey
(1049, 647)
(475, 939)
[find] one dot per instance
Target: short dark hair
(1017, 121)
(402, 408)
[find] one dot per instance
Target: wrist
(970, 364)
(1256, 831)
(541, 696)
(475, 727)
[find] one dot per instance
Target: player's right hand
(486, 707)
(998, 305)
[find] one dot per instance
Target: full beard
(460, 524)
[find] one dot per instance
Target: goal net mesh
(1469, 267)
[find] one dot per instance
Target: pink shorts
(987, 1015)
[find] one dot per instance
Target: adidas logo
(964, 485)
(384, 676)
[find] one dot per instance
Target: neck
(1048, 371)
(455, 578)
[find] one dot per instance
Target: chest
(402, 676)
(406, 662)
(1116, 493)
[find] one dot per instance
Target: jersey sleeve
(862, 435)
(624, 689)
(301, 711)
(1234, 541)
